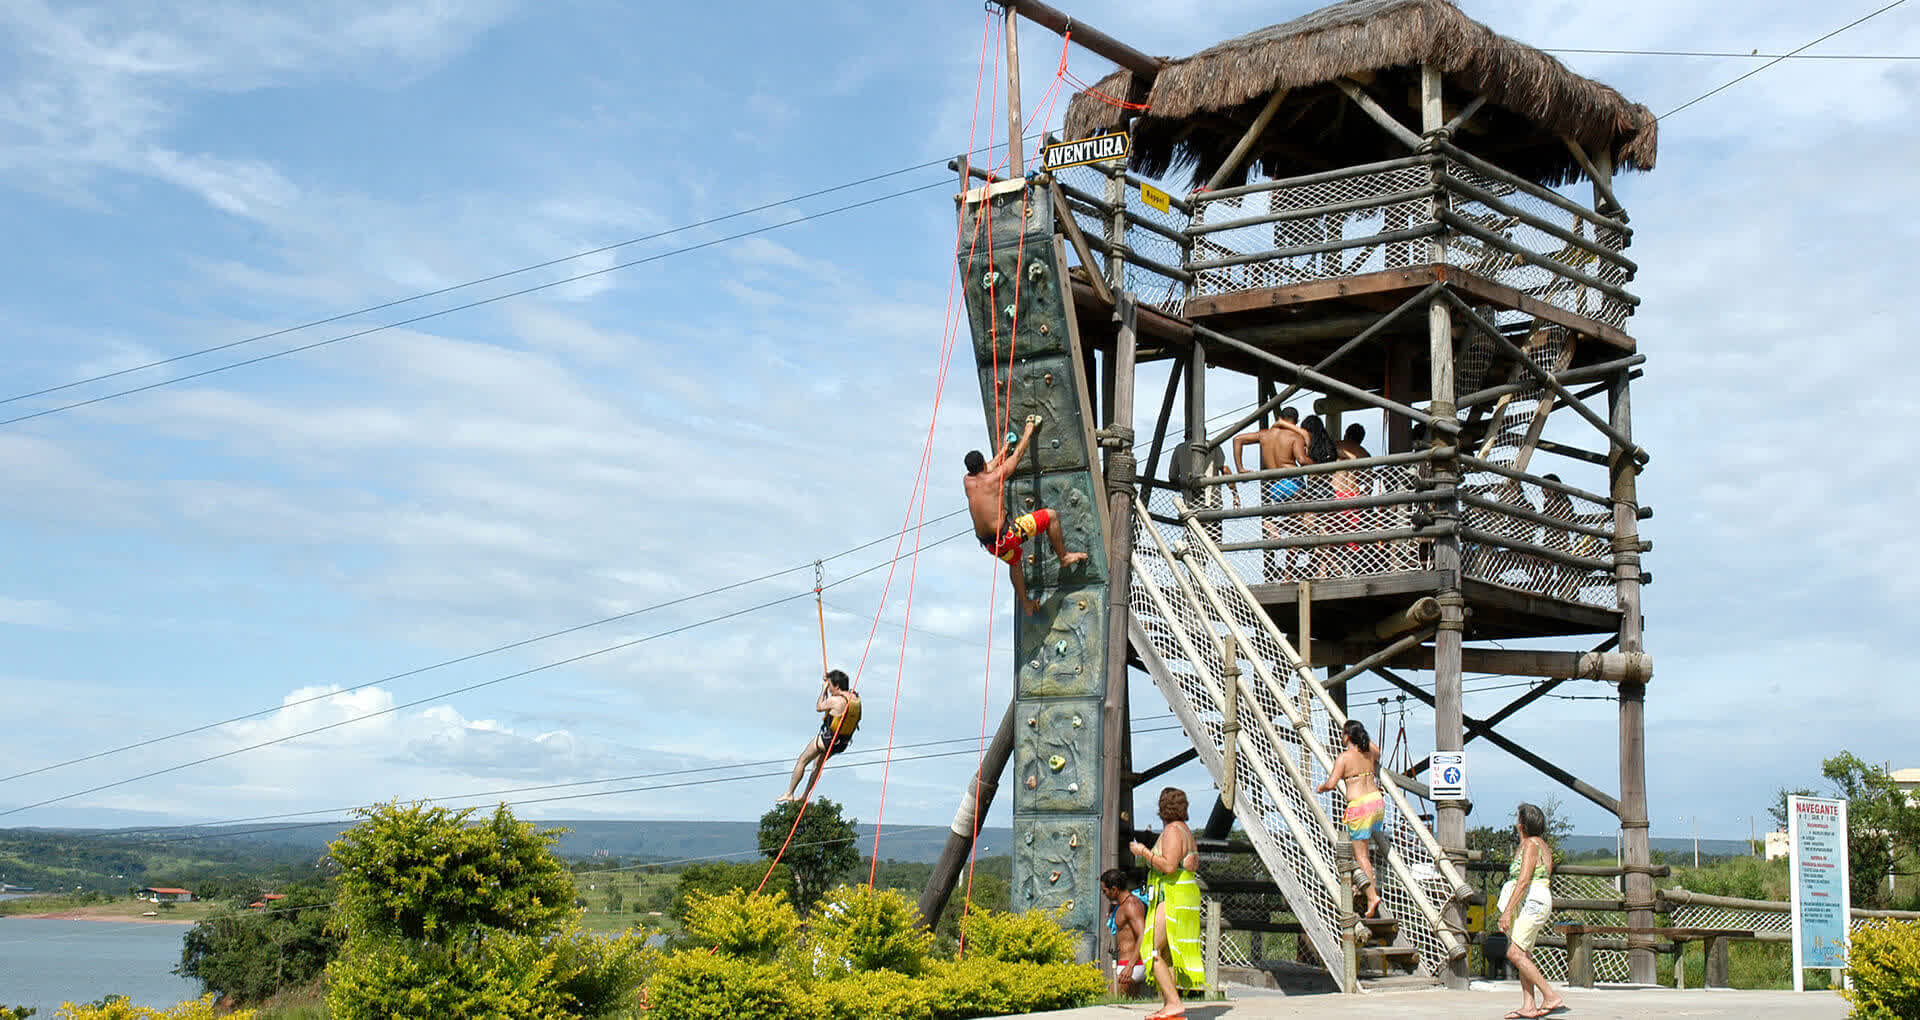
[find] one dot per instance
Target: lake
(45, 963)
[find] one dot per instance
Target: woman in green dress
(1173, 907)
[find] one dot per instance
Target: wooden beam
(1328, 384)
(1533, 694)
(1461, 118)
(1379, 115)
(1602, 184)
(1016, 139)
(1094, 40)
(1156, 771)
(1540, 764)
(1546, 379)
(1247, 141)
(976, 799)
(1116, 808)
(1079, 240)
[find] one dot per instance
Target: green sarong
(1180, 894)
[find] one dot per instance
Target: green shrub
(17, 1012)
(873, 995)
(748, 925)
(377, 979)
(872, 929)
(721, 877)
(696, 984)
(598, 976)
(982, 986)
(1884, 962)
(1032, 937)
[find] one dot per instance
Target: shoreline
(107, 919)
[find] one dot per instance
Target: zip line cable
(1794, 52)
(455, 661)
(603, 249)
(1795, 55)
(459, 690)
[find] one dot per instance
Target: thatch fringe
(1356, 37)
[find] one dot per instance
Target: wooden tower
(1381, 229)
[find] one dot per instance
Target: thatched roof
(1200, 105)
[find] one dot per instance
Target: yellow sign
(1097, 149)
(1155, 197)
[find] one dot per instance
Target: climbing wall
(1027, 351)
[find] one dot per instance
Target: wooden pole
(1450, 826)
(1382, 117)
(1247, 141)
(1116, 230)
(1086, 35)
(974, 804)
(1016, 143)
(1230, 724)
(1196, 452)
(1116, 795)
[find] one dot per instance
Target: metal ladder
(1263, 725)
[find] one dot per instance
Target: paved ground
(1489, 1000)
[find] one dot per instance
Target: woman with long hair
(1320, 445)
(1322, 450)
(1173, 906)
(1366, 806)
(1526, 901)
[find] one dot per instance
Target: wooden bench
(1580, 948)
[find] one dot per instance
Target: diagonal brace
(1344, 349)
(1545, 378)
(1545, 767)
(1327, 384)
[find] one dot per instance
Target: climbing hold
(1056, 763)
(1073, 787)
(1074, 841)
(1076, 722)
(1080, 603)
(1037, 270)
(1029, 837)
(1047, 378)
(1011, 310)
(991, 279)
(1067, 904)
(1033, 720)
(1054, 877)
(1033, 782)
(1043, 329)
(1059, 648)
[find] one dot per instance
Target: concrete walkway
(1492, 999)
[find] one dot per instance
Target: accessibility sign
(1097, 149)
(1449, 775)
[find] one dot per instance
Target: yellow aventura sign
(1097, 149)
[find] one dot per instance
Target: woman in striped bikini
(1366, 807)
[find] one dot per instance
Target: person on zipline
(986, 485)
(840, 716)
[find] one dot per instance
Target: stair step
(1386, 958)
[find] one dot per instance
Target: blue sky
(178, 175)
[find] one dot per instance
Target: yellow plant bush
(695, 984)
(748, 925)
(1884, 962)
(1032, 937)
(122, 1009)
(863, 929)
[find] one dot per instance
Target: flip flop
(1562, 1008)
(1517, 1015)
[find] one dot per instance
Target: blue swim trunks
(1284, 488)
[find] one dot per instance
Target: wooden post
(1210, 959)
(1196, 450)
(1230, 725)
(1719, 963)
(1016, 143)
(1116, 795)
(1349, 945)
(974, 803)
(1116, 231)
(1450, 820)
(1245, 145)
(1580, 959)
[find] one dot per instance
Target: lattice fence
(1354, 226)
(1530, 277)
(1153, 288)
(1608, 964)
(1353, 559)
(1174, 598)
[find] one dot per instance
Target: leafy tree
(717, 877)
(248, 955)
(447, 918)
(425, 874)
(616, 900)
(820, 851)
(1778, 812)
(1883, 825)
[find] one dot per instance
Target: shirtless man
(1282, 445)
(839, 709)
(986, 484)
(1127, 919)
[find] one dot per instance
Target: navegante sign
(1817, 847)
(1097, 149)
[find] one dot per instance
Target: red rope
(1089, 90)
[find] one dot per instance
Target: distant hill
(1672, 847)
(649, 840)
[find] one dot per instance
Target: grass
(93, 906)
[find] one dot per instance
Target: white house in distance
(1908, 780)
(165, 894)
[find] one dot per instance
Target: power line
(1714, 91)
(474, 304)
(1756, 55)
